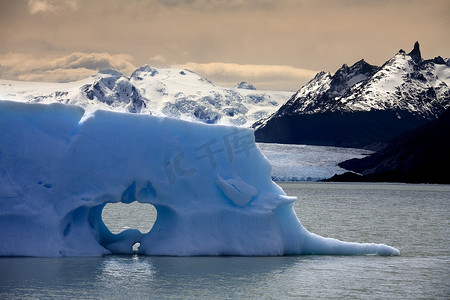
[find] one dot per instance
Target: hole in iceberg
(120, 216)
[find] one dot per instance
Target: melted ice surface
(211, 187)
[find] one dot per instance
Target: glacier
(307, 162)
(210, 184)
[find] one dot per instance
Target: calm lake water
(413, 218)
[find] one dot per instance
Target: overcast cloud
(275, 44)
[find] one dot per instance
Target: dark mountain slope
(357, 129)
(419, 156)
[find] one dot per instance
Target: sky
(274, 44)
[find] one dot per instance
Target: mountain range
(167, 91)
(362, 105)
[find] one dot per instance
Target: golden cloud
(74, 66)
(45, 6)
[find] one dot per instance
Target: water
(413, 218)
(118, 216)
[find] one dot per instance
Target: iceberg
(210, 184)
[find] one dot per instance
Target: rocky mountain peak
(145, 70)
(245, 85)
(364, 67)
(415, 53)
(358, 68)
(377, 102)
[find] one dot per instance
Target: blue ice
(211, 187)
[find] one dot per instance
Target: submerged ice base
(211, 187)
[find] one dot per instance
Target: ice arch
(210, 185)
(136, 218)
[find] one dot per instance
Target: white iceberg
(211, 187)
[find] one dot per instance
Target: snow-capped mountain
(324, 91)
(114, 90)
(362, 104)
(159, 91)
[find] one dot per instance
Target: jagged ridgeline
(362, 105)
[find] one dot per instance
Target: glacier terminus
(211, 187)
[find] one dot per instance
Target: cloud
(262, 76)
(40, 6)
(57, 75)
(79, 65)
(74, 66)
(45, 6)
(220, 4)
(158, 59)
